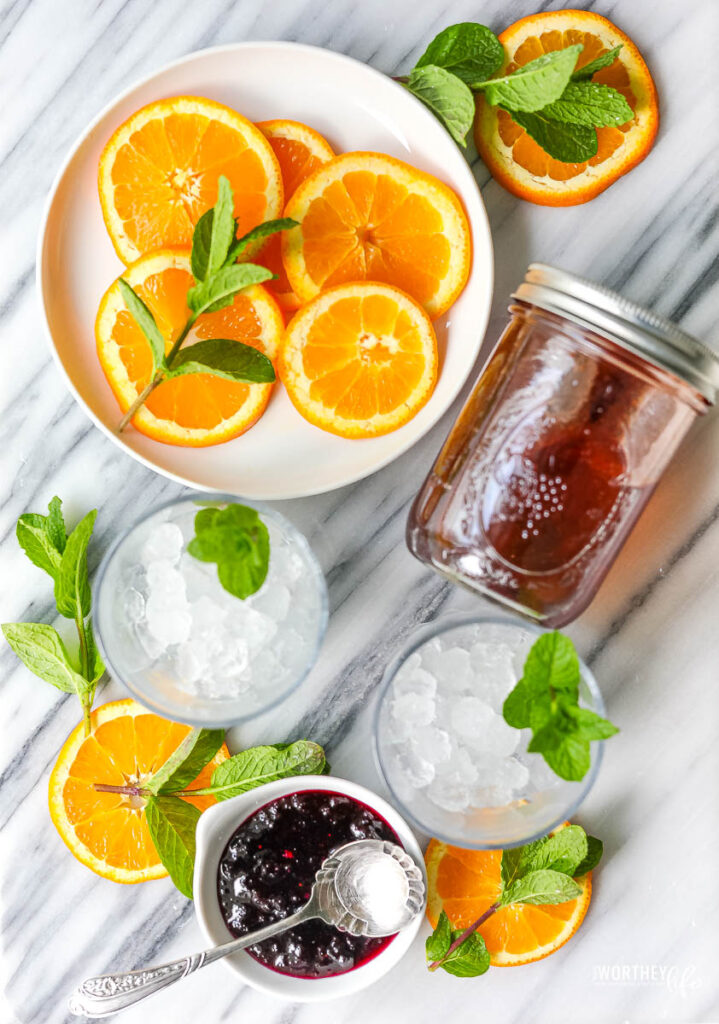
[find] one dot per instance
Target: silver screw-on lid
(653, 337)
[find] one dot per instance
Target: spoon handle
(109, 993)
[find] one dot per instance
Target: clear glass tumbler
(186, 647)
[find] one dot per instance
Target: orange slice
(369, 216)
(465, 883)
(360, 359)
(522, 166)
(300, 150)
(107, 832)
(197, 409)
(158, 173)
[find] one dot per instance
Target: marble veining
(647, 950)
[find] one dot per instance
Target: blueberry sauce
(267, 870)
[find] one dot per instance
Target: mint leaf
(223, 357)
(439, 941)
(268, 227)
(517, 706)
(468, 960)
(72, 588)
(172, 823)
(588, 724)
(223, 226)
(552, 662)
(535, 84)
(187, 761)
(447, 97)
(468, 50)
(562, 851)
(566, 753)
(543, 886)
(602, 61)
(591, 104)
(219, 290)
(96, 666)
(41, 649)
(258, 765)
(595, 849)
(43, 538)
(238, 541)
(201, 241)
(570, 143)
(144, 319)
(510, 867)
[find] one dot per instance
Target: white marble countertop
(647, 950)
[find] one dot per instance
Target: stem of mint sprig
(218, 279)
(542, 872)
(555, 102)
(546, 700)
(39, 646)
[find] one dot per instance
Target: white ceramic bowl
(214, 829)
(357, 108)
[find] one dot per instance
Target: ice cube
(254, 627)
(267, 671)
(190, 666)
(413, 768)
(285, 563)
(414, 708)
(200, 577)
(499, 738)
(150, 644)
(272, 599)
(134, 605)
(469, 718)
(494, 673)
(453, 671)
(165, 623)
(506, 773)
(491, 796)
(207, 615)
(164, 542)
(460, 765)
(416, 681)
(541, 776)
(165, 580)
(434, 743)
(449, 793)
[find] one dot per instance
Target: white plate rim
(42, 288)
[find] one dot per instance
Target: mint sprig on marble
(542, 872)
(555, 102)
(218, 278)
(45, 541)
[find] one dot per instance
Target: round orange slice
(300, 150)
(158, 173)
(518, 162)
(367, 216)
(107, 832)
(465, 883)
(197, 409)
(359, 360)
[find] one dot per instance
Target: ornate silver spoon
(369, 887)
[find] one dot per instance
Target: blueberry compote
(267, 870)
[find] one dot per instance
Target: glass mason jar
(567, 431)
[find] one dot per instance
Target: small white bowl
(215, 828)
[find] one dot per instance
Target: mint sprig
(542, 872)
(217, 280)
(172, 821)
(237, 540)
(555, 102)
(546, 700)
(39, 646)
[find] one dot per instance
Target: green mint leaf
(543, 886)
(595, 849)
(219, 290)
(144, 319)
(552, 662)
(268, 227)
(223, 226)
(223, 357)
(510, 867)
(72, 587)
(41, 649)
(43, 538)
(184, 765)
(602, 61)
(258, 765)
(238, 541)
(535, 84)
(95, 663)
(468, 50)
(439, 941)
(201, 241)
(566, 753)
(588, 724)
(447, 97)
(172, 823)
(562, 851)
(517, 706)
(591, 104)
(570, 143)
(468, 960)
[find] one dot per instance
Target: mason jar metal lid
(606, 312)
